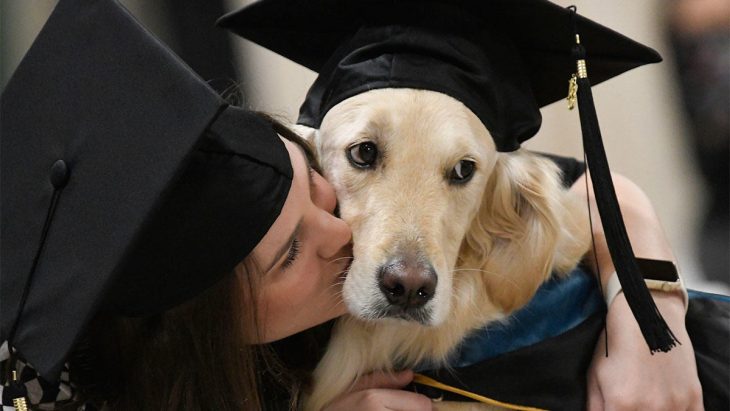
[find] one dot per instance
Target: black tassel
(655, 330)
(16, 388)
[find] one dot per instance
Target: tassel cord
(29, 281)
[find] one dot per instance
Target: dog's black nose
(407, 285)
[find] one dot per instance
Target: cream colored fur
(492, 241)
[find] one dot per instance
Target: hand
(630, 378)
(381, 391)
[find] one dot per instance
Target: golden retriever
(448, 233)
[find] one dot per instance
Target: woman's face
(304, 257)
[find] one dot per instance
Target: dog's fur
(492, 241)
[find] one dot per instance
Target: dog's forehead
(408, 118)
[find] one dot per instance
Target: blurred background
(665, 126)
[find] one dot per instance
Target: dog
(448, 233)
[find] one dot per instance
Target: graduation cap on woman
(504, 59)
(128, 185)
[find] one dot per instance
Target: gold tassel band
(582, 70)
(19, 403)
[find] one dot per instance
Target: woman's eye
(363, 155)
(462, 172)
(292, 255)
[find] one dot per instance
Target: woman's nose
(336, 235)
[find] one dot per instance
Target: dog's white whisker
(469, 269)
(339, 259)
(505, 277)
(337, 284)
(474, 269)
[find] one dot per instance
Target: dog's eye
(363, 155)
(462, 172)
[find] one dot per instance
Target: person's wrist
(670, 305)
(672, 302)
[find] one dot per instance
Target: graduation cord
(655, 330)
(59, 178)
(420, 379)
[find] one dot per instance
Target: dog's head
(417, 177)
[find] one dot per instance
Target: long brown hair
(192, 357)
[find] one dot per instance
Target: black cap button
(59, 174)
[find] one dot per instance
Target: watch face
(660, 270)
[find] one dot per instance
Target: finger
(401, 400)
(380, 379)
(379, 399)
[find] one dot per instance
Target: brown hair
(192, 356)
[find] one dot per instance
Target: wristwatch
(660, 275)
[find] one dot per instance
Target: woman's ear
(525, 228)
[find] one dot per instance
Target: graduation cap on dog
(128, 185)
(504, 59)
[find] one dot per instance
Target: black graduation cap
(504, 59)
(127, 184)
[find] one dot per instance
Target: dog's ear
(308, 133)
(528, 225)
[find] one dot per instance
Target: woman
(180, 233)
(153, 237)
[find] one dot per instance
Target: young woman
(155, 239)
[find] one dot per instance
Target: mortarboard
(504, 59)
(128, 185)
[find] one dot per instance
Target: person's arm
(630, 377)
